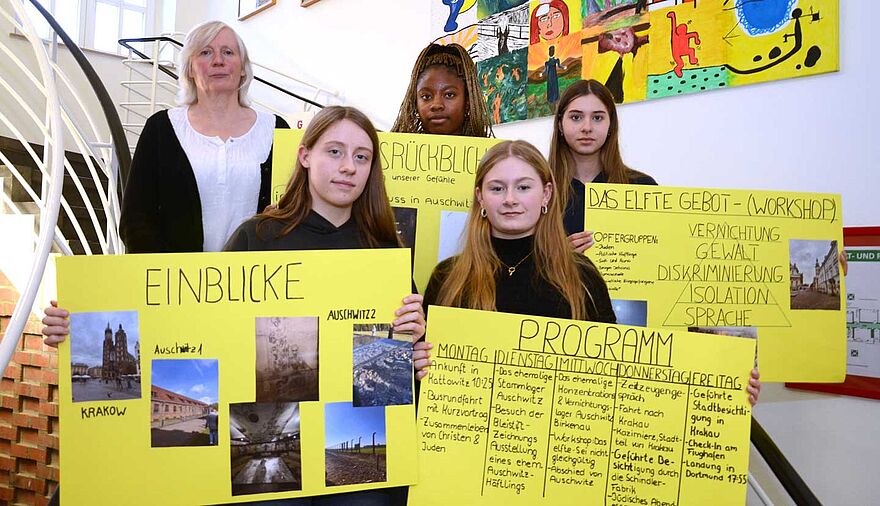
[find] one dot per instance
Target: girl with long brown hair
(336, 196)
(585, 149)
(444, 96)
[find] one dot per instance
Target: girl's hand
(57, 325)
(581, 241)
(410, 317)
(422, 358)
(754, 388)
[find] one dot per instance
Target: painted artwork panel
(619, 60)
(551, 19)
(451, 16)
(601, 16)
(488, 7)
(503, 33)
(805, 43)
(503, 80)
(552, 69)
(688, 50)
(650, 49)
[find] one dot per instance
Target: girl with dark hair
(444, 96)
(585, 149)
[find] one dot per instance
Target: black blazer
(161, 209)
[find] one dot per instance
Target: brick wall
(28, 413)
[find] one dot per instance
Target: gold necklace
(511, 270)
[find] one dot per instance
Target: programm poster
(211, 378)
(429, 180)
(715, 261)
(523, 410)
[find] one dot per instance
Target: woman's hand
(422, 358)
(410, 317)
(754, 388)
(581, 241)
(57, 325)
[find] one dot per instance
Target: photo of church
(105, 356)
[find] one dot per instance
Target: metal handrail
(117, 134)
(790, 480)
(54, 162)
(126, 43)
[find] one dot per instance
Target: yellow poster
(233, 377)
(524, 410)
(714, 261)
(430, 182)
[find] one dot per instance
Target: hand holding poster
(530, 410)
(716, 261)
(430, 183)
(217, 378)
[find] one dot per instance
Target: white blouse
(227, 173)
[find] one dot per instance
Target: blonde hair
(197, 38)
(371, 209)
(457, 60)
(471, 279)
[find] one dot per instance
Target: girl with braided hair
(444, 95)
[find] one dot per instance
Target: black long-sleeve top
(315, 232)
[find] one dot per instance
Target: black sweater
(524, 292)
(161, 209)
(315, 232)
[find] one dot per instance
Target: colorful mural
(640, 49)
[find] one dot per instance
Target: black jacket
(161, 209)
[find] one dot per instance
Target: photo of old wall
(355, 449)
(382, 370)
(264, 447)
(815, 274)
(183, 402)
(287, 359)
(105, 356)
